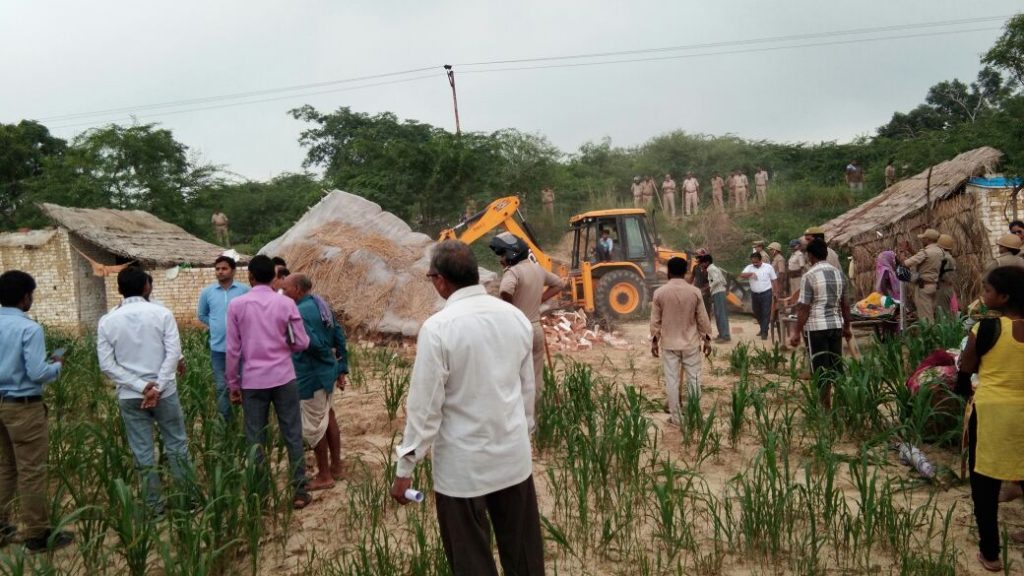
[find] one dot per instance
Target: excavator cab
(614, 262)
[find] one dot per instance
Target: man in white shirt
(762, 280)
(471, 402)
(139, 348)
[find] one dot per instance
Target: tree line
(426, 174)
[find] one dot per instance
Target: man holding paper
(471, 399)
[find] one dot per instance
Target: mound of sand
(368, 264)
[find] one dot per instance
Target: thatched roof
(29, 239)
(134, 234)
(908, 196)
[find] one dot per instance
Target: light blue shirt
(213, 311)
(23, 365)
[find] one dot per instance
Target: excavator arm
(502, 213)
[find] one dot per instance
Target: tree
(25, 148)
(1008, 51)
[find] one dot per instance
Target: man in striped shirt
(823, 318)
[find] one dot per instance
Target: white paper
(414, 495)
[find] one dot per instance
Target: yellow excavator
(614, 279)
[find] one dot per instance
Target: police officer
(925, 265)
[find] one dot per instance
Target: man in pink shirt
(263, 329)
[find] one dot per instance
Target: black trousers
(466, 532)
(761, 304)
(826, 350)
(985, 495)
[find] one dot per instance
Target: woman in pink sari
(886, 282)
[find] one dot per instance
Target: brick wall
(991, 203)
(90, 291)
(180, 295)
(55, 299)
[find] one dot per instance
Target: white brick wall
(992, 202)
(180, 295)
(55, 273)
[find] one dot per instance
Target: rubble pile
(567, 331)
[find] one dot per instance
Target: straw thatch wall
(135, 235)
(957, 216)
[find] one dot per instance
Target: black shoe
(7, 532)
(49, 542)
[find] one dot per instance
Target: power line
(234, 96)
(764, 40)
(233, 104)
(727, 52)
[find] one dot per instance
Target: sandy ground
(367, 435)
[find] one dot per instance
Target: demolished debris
(567, 331)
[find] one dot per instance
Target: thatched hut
(936, 198)
(76, 263)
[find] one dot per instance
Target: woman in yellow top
(996, 425)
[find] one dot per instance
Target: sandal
(990, 565)
(303, 499)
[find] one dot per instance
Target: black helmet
(510, 247)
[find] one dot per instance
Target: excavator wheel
(620, 295)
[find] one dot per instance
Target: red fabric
(938, 358)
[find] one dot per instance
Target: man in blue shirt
(213, 312)
(24, 432)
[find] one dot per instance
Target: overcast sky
(67, 57)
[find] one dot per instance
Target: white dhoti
(315, 414)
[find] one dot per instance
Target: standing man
(890, 173)
(716, 191)
(668, 196)
(471, 399)
(680, 330)
(547, 200)
(718, 286)
(778, 264)
(795, 265)
(138, 348)
(946, 289)
(823, 319)
(649, 191)
(761, 184)
(817, 232)
(691, 193)
(925, 265)
(263, 330)
(220, 227)
(24, 433)
(319, 369)
(1009, 246)
(526, 285)
(758, 246)
(855, 176)
(213, 312)
(739, 186)
(637, 189)
(762, 281)
(1017, 229)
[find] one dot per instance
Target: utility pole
(455, 99)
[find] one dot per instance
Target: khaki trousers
(716, 195)
(668, 204)
(673, 362)
(24, 443)
(692, 199)
(549, 208)
(924, 300)
(538, 364)
(638, 201)
(741, 198)
(762, 194)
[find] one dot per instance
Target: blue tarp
(999, 182)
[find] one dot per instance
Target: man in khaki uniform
(758, 246)
(926, 264)
(890, 174)
(778, 263)
(220, 227)
(761, 184)
(526, 285)
(716, 191)
(691, 195)
(1009, 252)
(795, 265)
(547, 200)
(668, 196)
(833, 256)
(648, 191)
(739, 187)
(637, 189)
(680, 330)
(947, 276)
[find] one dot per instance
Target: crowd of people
(477, 375)
(645, 191)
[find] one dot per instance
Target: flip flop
(301, 500)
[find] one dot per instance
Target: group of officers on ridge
(645, 190)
